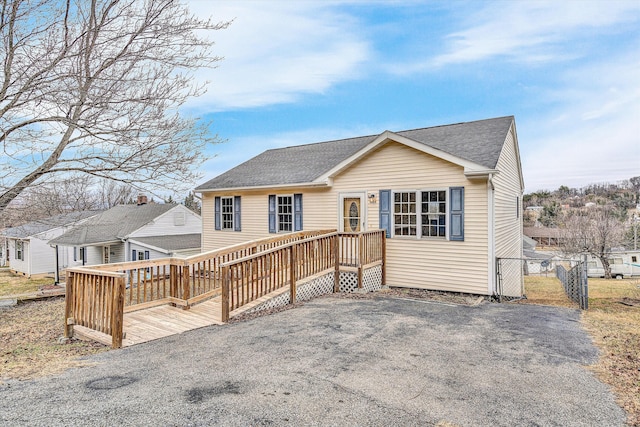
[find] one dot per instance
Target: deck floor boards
(163, 321)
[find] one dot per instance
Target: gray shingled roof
(112, 225)
(172, 243)
(36, 227)
(479, 142)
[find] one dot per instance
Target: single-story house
(29, 252)
(134, 232)
(449, 198)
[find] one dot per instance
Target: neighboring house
(28, 250)
(544, 236)
(134, 232)
(449, 198)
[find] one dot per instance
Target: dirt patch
(29, 339)
(631, 302)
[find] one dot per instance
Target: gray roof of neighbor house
(479, 142)
(36, 227)
(172, 243)
(112, 225)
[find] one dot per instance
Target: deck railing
(254, 276)
(98, 296)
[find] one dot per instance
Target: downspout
(492, 285)
(57, 275)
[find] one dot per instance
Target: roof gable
(112, 225)
(476, 145)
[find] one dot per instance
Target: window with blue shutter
(272, 213)
(297, 212)
(217, 218)
(456, 213)
(237, 226)
(385, 211)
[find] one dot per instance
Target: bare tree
(94, 87)
(595, 231)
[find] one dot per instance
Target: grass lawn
(14, 285)
(613, 320)
(29, 334)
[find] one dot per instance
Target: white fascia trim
(388, 136)
(326, 183)
(484, 173)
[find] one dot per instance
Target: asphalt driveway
(333, 361)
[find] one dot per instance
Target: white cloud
(593, 134)
(276, 51)
(533, 32)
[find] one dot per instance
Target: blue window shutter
(146, 254)
(75, 253)
(217, 219)
(385, 211)
(272, 213)
(297, 212)
(237, 225)
(456, 213)
(134, 255)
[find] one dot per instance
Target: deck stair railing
(98, 296)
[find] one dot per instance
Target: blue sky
(299, 72)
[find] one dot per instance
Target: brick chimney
(142, 199)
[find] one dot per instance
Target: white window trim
(293, 217)
(222, 213)
(419, 224)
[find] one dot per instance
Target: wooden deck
(153, 323)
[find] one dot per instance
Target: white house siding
(21, 266)
(425, 263)
(508, 215)
(42, 256)
(165, 225)
(93, 255)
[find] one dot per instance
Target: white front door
(352, 212)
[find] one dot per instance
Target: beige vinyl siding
(508, 212)
(425, 263)
(429, 263)
(508, 200)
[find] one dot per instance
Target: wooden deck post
(336, 263)
(383, 237)
(360, 262)
(173, 281)
(226, 281)
(186, 286)
(68, 305)
(117, 316)
(292, 274)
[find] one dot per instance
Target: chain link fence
(512, 273)
(575, 283)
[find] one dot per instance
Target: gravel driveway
(339, 361)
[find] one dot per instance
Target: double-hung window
(226, 210)
(20, 250)
(227, 213)
(285, 213)
(425, 214)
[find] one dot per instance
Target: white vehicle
(623, 264)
